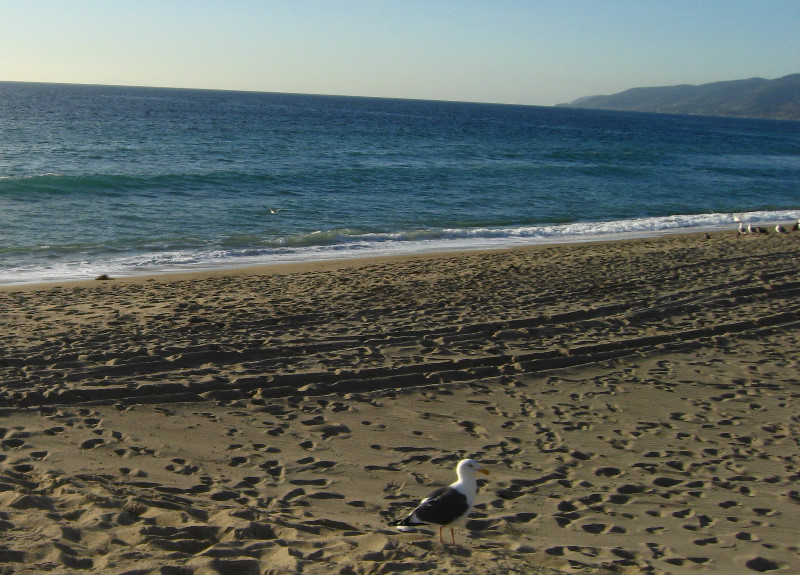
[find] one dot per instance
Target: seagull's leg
(440, 534)
(453, 535)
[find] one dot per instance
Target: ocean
(131, 181)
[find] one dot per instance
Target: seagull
(742, 229)
(780, 229)
(756, 229)
(447, 506)
(796, 226)
(275, 210)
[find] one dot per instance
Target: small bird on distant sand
(796, 226)
(756, 229)
(742, 229)
(447, 506)
(780, 229)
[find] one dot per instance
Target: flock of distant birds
(749, 228)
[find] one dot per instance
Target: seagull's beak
(484, 471)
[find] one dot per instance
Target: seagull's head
(469, 467)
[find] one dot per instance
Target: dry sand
(636, 402)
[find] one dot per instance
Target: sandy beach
(636, 403)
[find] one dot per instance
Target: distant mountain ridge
(753, 98)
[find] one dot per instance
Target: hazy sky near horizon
(540, 52)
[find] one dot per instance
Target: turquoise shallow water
(125, 181)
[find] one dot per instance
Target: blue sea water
(125, 181)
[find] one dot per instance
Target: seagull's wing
(442, 507)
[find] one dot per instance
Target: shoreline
(278, 268)
(626, 230)
(634, 400)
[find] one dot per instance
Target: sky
(537, 52)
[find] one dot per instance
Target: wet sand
(635, 401)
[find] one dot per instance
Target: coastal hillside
(754, 98)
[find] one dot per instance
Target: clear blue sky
(515, 51)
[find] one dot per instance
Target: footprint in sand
(113, 434)
(294, 494)
(746, 536)
(630, 489)
(762, 564)
(141, 450)
(706, 541)
(273, 468)
(607, 471)
(657, 551)
(474, 429)
(520, 517)
(318, 466)
(339, 406)
(581, 456)
(416, 459)
(224, 495)
(13, 443)
(595, 528)
(333, 430)
(278, 430)
(703, 521)
(680, 561)
(92, 443)
(181, 467)
(320, 482)
(666, 482)
(318, 420)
